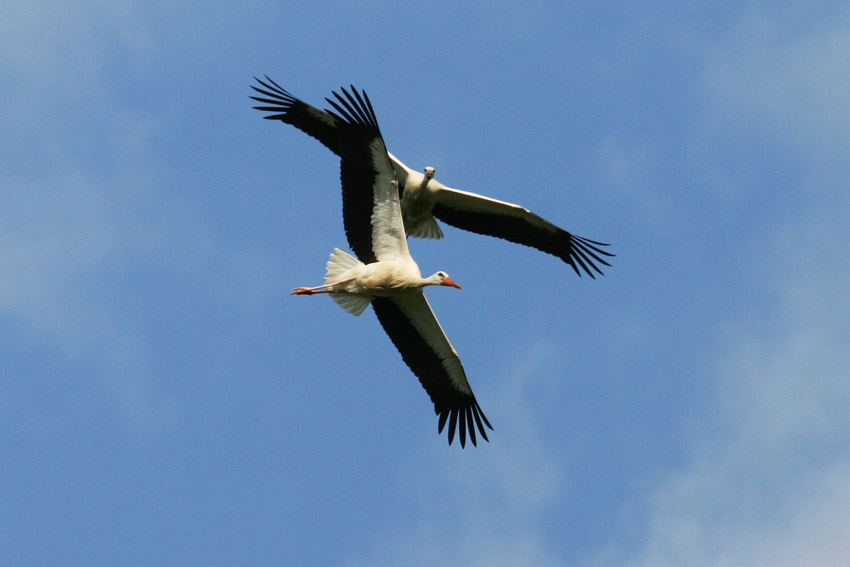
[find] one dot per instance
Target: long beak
(451, 282)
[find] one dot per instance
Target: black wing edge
(290, 110)
(461, 411)
(358, 129)
(576, 251)
(354, 109)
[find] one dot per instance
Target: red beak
(451, 282)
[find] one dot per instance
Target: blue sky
(163, 400)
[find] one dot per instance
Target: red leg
(318, 289)
(308, 290)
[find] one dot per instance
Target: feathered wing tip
(338, 264)
(465, 418)
(356, 109)
(426, 228)
(285, 107)
(581, 252)
(277, 96)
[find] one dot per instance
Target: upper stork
(423, 198)
(385, 275)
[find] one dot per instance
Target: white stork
(423, 198)
(385, 275)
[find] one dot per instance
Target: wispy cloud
(766, 482)
(789, 76)
(84, 202)
(769, 467)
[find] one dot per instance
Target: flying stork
(385, 275)
(423, 198)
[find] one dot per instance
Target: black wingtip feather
(471, 426)
(464, 420)
(289, 110)
(354, 108)
(462, 429)
(279, 96)
(444, 415)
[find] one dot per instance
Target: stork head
(429, 172)
(442, 278)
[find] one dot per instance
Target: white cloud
(769, 471)
(795, 83)
(768, 477)
(66, 195)
(80, 174)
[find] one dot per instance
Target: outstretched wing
(492, 217)
(286, 108)
(370, 202)
(418, 336)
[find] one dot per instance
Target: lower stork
(385, 275)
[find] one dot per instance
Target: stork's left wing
(418, 336)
